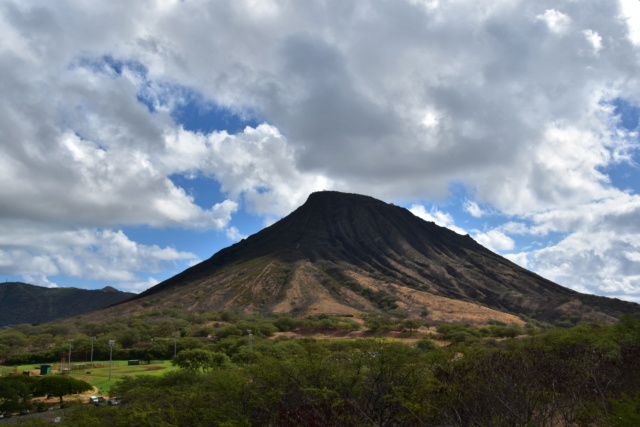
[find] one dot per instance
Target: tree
(426, 344)
(199, 359)
(410, 325)
(15, 392)
(13, 339)
(60, 386)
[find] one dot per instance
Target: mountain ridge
(25, 303)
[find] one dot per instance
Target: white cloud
(594, 39)
(257, 165)
(137, 287)
(557, 21)
(393, 99)
(521, 258)
(593, 262)
(37, 252)
(436, 216)
(599, 250)
(40, 280)
(234, 234)
(617, 212)
(631, 14)
(344, 96)
(513, 227)
(473, 209)
(632, 256)
(495, 240)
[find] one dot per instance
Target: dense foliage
(589, 374)
(150, 336)
(495, 375)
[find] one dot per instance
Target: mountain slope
(345, 254)
(24, 303)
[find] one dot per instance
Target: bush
(462, 337)
(203, 331)
(625, 411)
(426, 344)
(244, 355)
(200, 360)
(286, 323)
(510, 331)
(228, 331)
(458, 333)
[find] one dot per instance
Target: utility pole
(111, 343)
(92, 340)
(175, 341)
(70, 356)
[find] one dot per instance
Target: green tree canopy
(198, 359)
(60, 386)
(15, 391)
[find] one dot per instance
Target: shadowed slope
(24, 303)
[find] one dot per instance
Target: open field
(98, 375)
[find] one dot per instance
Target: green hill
(24, 303)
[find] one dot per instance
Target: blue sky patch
(629, 114)
(200, 115)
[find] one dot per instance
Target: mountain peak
(342, 253)
(325, 196)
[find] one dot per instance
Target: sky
(139, 138)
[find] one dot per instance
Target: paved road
(47, 415)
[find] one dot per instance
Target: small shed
(134, 362)
(45, 369)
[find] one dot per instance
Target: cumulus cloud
(473, 209)
(137, 287)
(631, 14)
(257, 165)
(522, 259)
(599, 253)
(512, 100)
(495, 240)
(436, 216)
(387, 86)
(602, 262)
(234, 234)
(37, 251)
(557, 21)
(594, 39)
(100, 177)
(39, 280)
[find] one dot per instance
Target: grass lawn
(98, 376)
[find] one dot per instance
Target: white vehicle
(98, 400)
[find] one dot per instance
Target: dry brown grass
(263, 285)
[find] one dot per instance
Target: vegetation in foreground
(588, 374)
